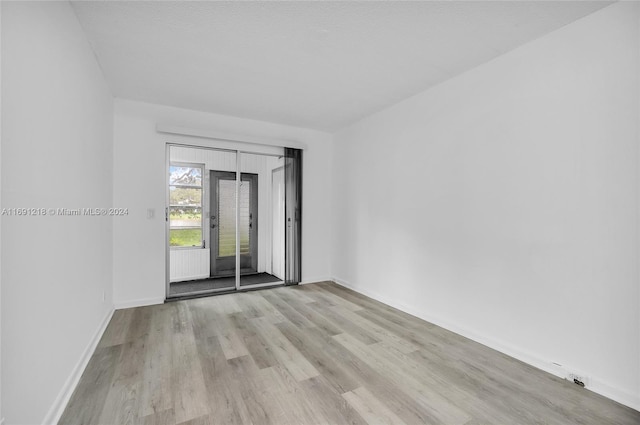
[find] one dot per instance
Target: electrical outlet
(578, 379)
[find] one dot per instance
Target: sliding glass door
(233, 220)
(256, 232)
(192, 266)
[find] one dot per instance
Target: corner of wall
(57, 408)
(315, 280)
(142, 302)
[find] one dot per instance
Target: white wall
(139, 184)
(503, 204)
(57, 116)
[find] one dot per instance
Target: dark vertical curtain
(293, 215)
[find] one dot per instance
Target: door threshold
(214, 292)
(251, 273)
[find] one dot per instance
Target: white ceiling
(319, 65)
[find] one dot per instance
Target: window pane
(185, 176)
(245, 219)
(185, 196)
(185, 237)
(226, 218)
(226, 214)
(185, 216)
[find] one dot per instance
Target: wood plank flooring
(312, 354)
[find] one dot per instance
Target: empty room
(319, 212)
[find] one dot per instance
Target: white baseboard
(55, 411)
(596, 385)
(316, 280)
(616, 394)
(119, 305)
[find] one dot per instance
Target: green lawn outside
(193, 237)
(185, 237)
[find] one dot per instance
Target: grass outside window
(185, 237)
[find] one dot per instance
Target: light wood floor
(309, 355)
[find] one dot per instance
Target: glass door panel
(223, 230)
(198, 231)
(257, 207)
